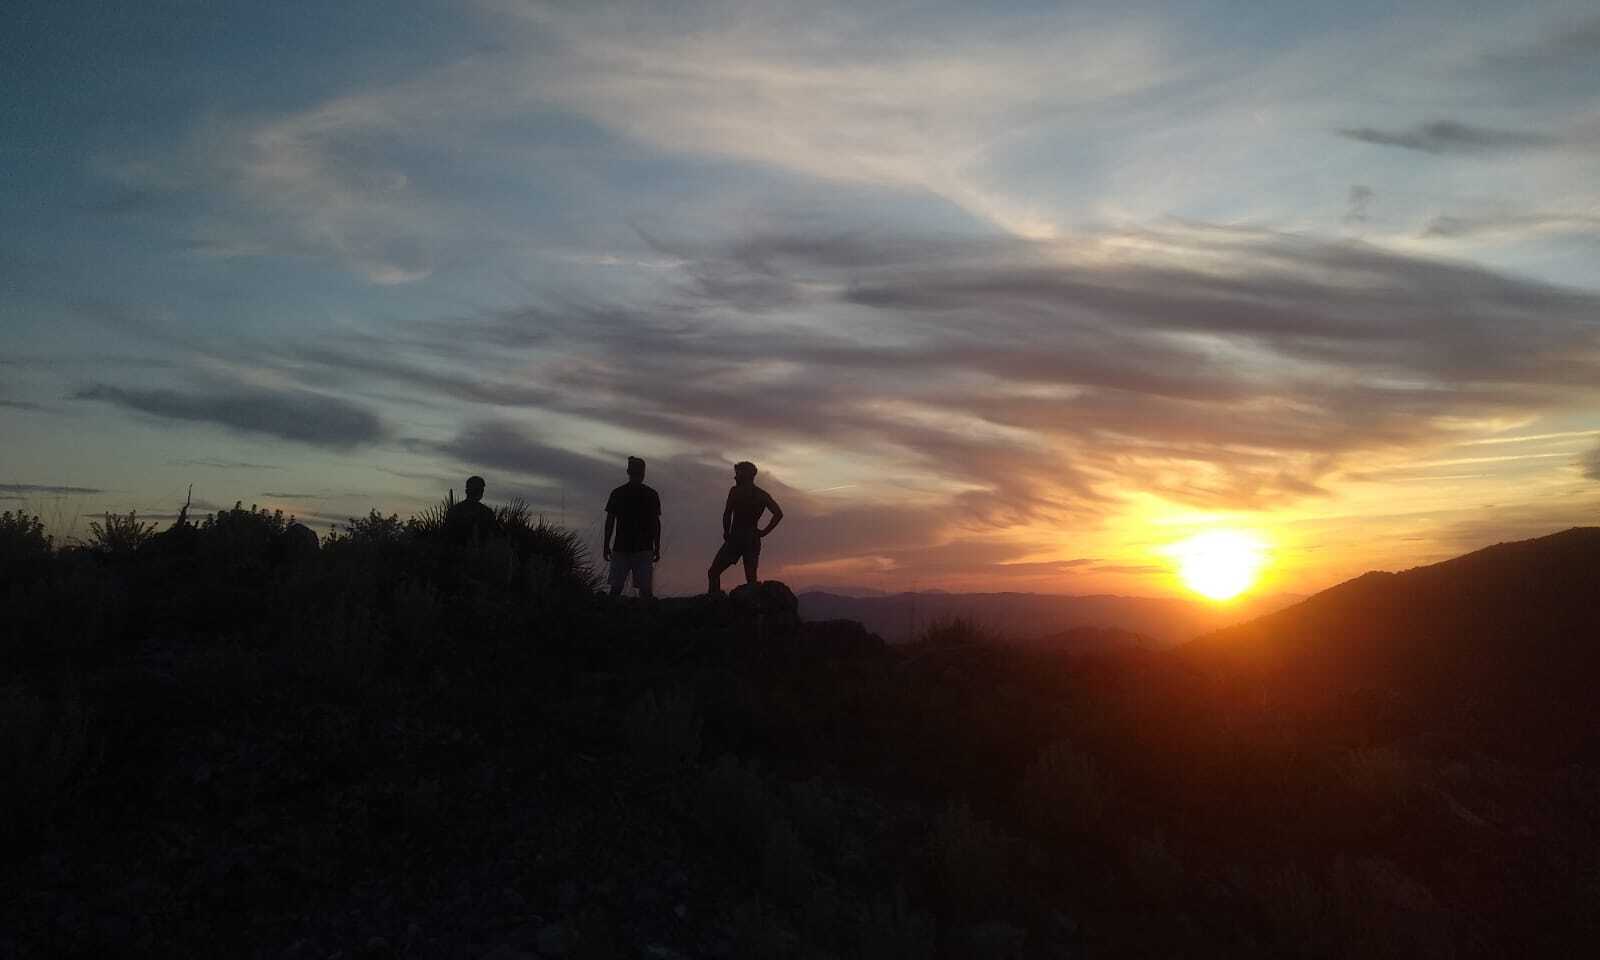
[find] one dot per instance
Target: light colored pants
(635, 562)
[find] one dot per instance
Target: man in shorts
(633, 513)
(741, 534)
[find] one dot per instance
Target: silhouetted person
(469, 521)
(633, 513)
(741, 537)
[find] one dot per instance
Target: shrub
(1065, 795)
(891, 930)
(788, 871)
(551, 556)
(24, 547)
(736, 805)
(954, 631)
(1384, 778)
(1153, 870)
(43, 746)
(430, 522)
(1364, 908)
(239, 538)
(121, 534)
(971, 862)
(663, 729)
(373, 530)
(759, 930)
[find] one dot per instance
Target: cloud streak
(49, 488)
(297, 415)
(1451, 227)
(1452, 137)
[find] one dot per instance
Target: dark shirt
(636, 508)
(469, 521)
(748, 504)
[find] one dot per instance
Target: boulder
(770, 604)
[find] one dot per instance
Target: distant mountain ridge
(1501, 645)
(1032, 616)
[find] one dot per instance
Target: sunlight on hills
(1219, 564)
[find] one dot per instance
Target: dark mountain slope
(1501, 645)
(1023, 616)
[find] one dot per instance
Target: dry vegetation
(217, 742)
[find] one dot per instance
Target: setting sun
(1219, 564)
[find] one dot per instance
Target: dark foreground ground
(378, 751)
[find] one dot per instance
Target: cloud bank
(971, 389)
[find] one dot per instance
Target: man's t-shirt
(748, 504)
(469, 521)
(636, 508)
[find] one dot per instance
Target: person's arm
(605, 545)
(727, 516)
(777, 515)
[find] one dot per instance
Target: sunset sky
(998, 301)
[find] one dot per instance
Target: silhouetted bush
(24, 547)
(1065, 794)
(663, 728)
(954, 631)
(44, 748)
(372, 530)
(120, 534)
(972, 862)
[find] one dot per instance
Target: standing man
(633, 513)
(741, 538)
(470, 521)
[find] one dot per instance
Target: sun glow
(1219, 564)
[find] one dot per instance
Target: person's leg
(643, 574)
(752, 559)
(725, 558)
(619, 572)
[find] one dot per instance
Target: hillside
(1501, 646)
(1026, 616)
(1084, 641)
(216, 743)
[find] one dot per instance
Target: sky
(996, 299)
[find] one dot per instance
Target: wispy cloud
(1591, 464)
(296, 415)
(1511, 225)
(1448, 136)
(216, 464)
(18, 491)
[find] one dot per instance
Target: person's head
(744, 471)
(635, 469)
(474, 488)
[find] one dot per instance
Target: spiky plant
(430, 522)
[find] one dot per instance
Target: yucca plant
(556, 553)
(430, 522)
